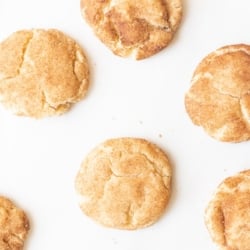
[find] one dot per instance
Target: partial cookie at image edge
(133, 29)
(219, 96)
(14, 225)
(227, 215)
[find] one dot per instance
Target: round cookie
(228, 214)
(219, 97)
(133, 28)
(42, 72)
(124, 183)
(14, 226)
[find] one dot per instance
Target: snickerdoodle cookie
(219, 98)
(42, 72)
(14, 226)
(133, 28)
(228, 214)
(124, 183)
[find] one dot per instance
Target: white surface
(40, 158)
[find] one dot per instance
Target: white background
(39, 159)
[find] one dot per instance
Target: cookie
(219, 97)
(228, 214)
(133, 28)
(124, 183)
(42, 73)
(14, 226)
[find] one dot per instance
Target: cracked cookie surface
(219, 97)
(42, 73)
(227, 215)
(14, 226)
(133, 28)
(124, 183)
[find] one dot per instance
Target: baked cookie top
(133, 28)
(42, 72)
(124, 183)
(14, 226)
(228, 214)
(219, 97)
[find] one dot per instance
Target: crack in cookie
(23, 54)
